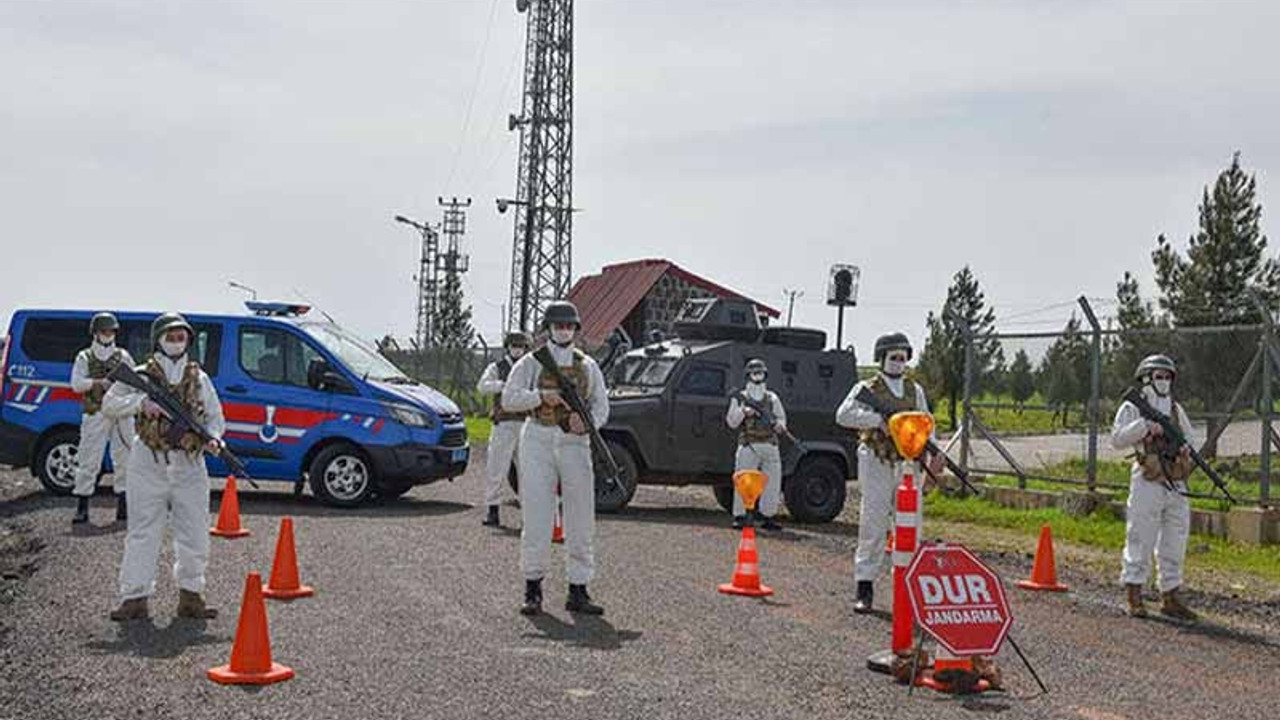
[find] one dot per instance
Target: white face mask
(173, 349)
(1162, 386)
(756, 378)
(516, 353)
(106, 340)
(562, 336)
(894, 368)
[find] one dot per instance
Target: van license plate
(460, 455)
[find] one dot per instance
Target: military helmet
(516, 338)
(892, 341)
(166, 322)
(755, 365)
(561, 311)
(103, 322)
(1151, 363)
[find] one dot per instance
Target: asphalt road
(415, 617)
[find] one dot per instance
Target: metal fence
(452, 371)
(1059, 432)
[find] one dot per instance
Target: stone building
(641, 296)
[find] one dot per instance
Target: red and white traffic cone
(905, 540)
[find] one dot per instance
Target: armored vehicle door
(703, 442)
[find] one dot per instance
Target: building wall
(659, 308)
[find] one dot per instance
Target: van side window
(135, 336)
(703, 380)
(275, 356)
(54, 339)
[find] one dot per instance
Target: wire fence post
(1095, 392)
(967, 396)
(1264, 482)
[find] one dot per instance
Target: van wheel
(609, 497)
(342, 476)
(815, 493)
(55, 462)
(724, 496)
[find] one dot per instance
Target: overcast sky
(152, 151)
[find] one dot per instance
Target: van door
(703, 442)
(271, 413)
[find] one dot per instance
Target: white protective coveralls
(761, 456)
(877, 480)
(548, 454)
(160, 487)
(504, 440)
(97, 431)
(1157, 519)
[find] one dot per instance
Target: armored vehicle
(668, 402)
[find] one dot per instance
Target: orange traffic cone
(251, 653)
(557, 530)
(229, 513)
(1044, 572)
(746, 576)
(284, 583)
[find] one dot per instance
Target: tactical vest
(498, 414)
(98, 370)
(876, 438)
(575, 374)
(1148, 456)
(753, 429)
(154, 431)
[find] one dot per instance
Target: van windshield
(355, 354)
(642, 372)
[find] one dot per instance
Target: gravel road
(415, 617)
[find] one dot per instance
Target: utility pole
(427, 279)
(791, 302)
(541, 258)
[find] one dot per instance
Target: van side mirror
(321, 376)
(315, 373)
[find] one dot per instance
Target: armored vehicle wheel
(815, 493)
(609, 499)
(724, 496)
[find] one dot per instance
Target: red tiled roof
(606, 299)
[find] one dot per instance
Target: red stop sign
(957, 600)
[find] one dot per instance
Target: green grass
(478, 428)
(1116, 472)
(1101, 530)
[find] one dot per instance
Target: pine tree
(1135, 318)
(942, 359)
(453, 326)
(1209, 286)
(1065, 371)
(1022, 383)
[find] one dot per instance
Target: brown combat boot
(1136, 607)
(135, 609)
(191, 605)
(1174, 608)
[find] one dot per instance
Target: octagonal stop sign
(957, 600)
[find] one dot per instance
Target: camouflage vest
(876, 438)
(575, 374)
(154, 430)
(1153, 466)
(753, 429)
(498, 414)
(98, 370)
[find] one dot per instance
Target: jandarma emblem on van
(270, 423)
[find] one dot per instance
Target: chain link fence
(452, 371)
(1036, 409)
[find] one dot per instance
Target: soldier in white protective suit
(97, 431)
(167, 482)
(758, 442)
(504, 440)
(879, 464)
(1158, 515)
(554, 447)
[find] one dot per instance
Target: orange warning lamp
(911, 432)
(750, 484)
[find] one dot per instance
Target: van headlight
(410, 416)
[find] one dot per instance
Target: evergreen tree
(1021, 379)
(942, 359)
(1065, 371)
(1209, 286)
(453, 322)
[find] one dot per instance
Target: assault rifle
(868, 398)
(1177, 440)
(578, 407)
(766, 417)
(181, 421)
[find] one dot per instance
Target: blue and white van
(303, 399)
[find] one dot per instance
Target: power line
(475, 86)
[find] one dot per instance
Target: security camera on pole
(842, 292)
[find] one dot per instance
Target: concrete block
(1255, 526)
